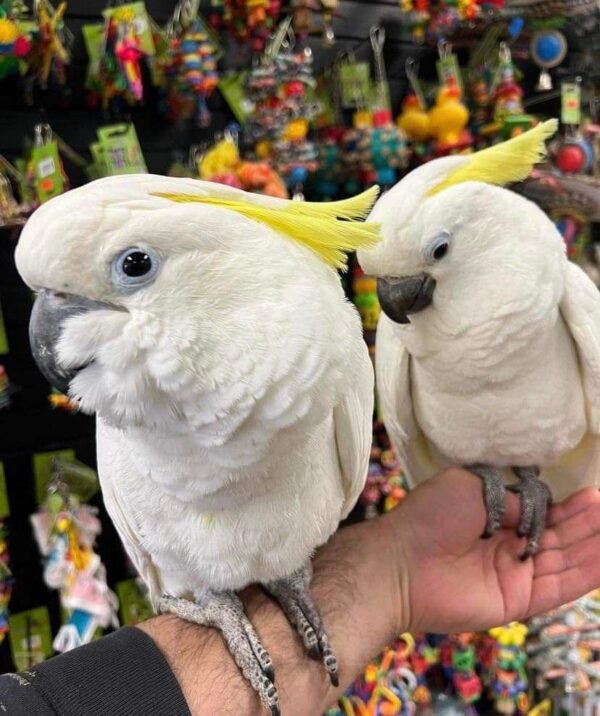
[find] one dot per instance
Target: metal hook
(377, 37)
(444, 48)
(43, 134)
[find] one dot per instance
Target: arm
(360, 600)
(406, 571)
(123, 673)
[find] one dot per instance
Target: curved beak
(50, 311)
(401, 297)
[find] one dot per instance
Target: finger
(573, 529)
(553, 590)
(555, 561)
(577, 502)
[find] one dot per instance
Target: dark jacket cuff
(122, 674)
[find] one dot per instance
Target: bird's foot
(293, 595)
(535, 500)
(494, 492)
(224, 611)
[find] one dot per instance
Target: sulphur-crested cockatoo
(208, 330)
(488, 346)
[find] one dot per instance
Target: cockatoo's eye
(438, 247)
(133, 268)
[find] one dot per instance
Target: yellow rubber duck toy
(414, 120)
(449, 116)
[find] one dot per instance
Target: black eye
(440, 251)
(137, 263)
(134, 268)
(438, 247)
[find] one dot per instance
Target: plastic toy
(414, 120)
(448, 118)
(65, 531)
(14, 45)
(48, 54)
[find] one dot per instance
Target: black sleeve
(122, 674)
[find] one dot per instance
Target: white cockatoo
(488, 345)
(208, 330)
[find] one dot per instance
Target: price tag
(355, 81)
(570, 93)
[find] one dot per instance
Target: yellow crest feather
(330, 229)
(503, 163)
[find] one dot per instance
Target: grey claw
(224, 611)
(493, 493)
(294, 598)
(535, 500)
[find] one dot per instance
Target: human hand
(455, 581)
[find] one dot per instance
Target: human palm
(457, 581)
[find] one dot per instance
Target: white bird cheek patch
(83, 335)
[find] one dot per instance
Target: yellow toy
(48, 51)
(449, 116)
(414, 120)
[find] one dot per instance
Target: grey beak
(400, 297)
(49, 313)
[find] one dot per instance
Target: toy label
(3, 337)
(134, 13)
(43, 470)
(448, 70)
(355, 81)
(134, 606)
(232, 87)
(4, 506)
(570, 94)
(120, 150)
(30, 638)
(46, 168)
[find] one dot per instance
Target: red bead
(570, 159)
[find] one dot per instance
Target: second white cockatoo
(488, 346)
(208, 330)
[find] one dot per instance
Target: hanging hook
(444, 48)
(42, 134)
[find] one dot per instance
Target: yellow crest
(503, 163)
(330, 229)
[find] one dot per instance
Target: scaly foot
(535, 500)
(224, 611)
(293, 595)
(494, 492)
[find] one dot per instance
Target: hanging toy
(509, 116)
(48, 55)
(414, 120)
(65, 531)
(448, 118)
(14, 44)
(250, 21)
(129, 53)
(190, 65)
(548, 48)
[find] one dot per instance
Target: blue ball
(548, 47)
(298, 175)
